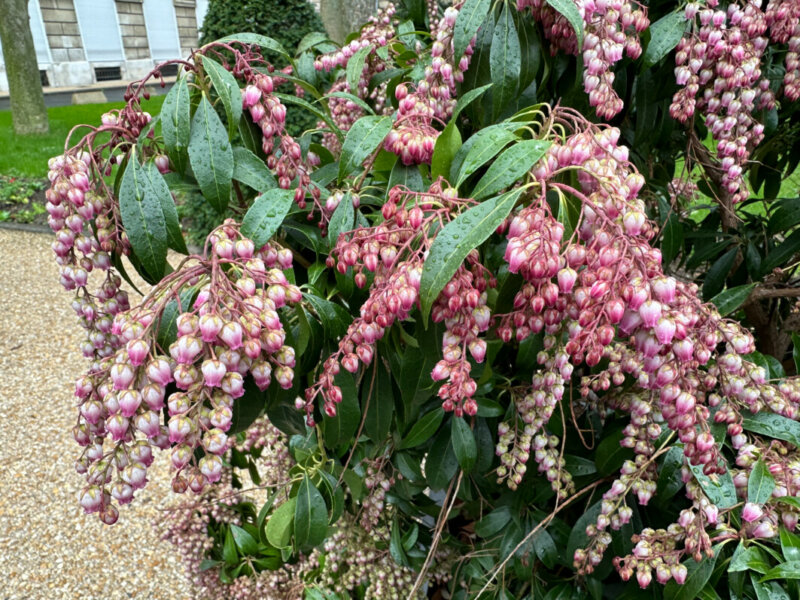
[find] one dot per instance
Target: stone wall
(187, 25)
(63, 33)
(132, 29)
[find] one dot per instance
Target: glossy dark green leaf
(211, 156)
(355, 67)
(262, 41)
(333, 317)
(783, 253)
(468, 21)
(790, 545)
(457, 239)
(671, 239)
(579, 466)
(266, 214)
(342, 220)
(569, 11)
(143, 218)
(314, 109)
(786, 216)
(716, 275)
(577, 537)
(310, 515)
(771, 590)
(494, 522)
(787, 570)
(167, 326)
(362, 139)
(441, 463)
(761, 484)
(251, 170)
(380, 409)
(727, 301)
(480, 149)
(245, 542)
(610, 454)
(697, 576)
(774, 426)
(159, 187)
(423, 429)
(664, 36)
(247, 408)
(176, 122)
(669, 476)
(748, 559)
(505, 61)
(341, 428)
(280, 525)
(447, 146)
(396, 550)
(719, 488)
(229, 554)
(509, 167)
(407, 176)
(227, 90)
(463, 442)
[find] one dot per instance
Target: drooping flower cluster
(719, 67)
(603, 292)
(74, 205)
(611, 28)
(783, 19)
(393, 250)
(232, 330)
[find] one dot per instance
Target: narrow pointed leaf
(468, 21)
(211, 156)
(362, 139)
(176, 124)
(310, 515)
(664, 36)
(228, 91)
(266, 214)
(161, 190)
(251, 170)
(727, 301)
(509, 167)
(464, 445)
(761, 484)
(355, 67)
(505, 61)
(451, 246)
(569, 10)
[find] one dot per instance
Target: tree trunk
(340, 17)
(24, 83)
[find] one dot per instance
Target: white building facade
(81, 42)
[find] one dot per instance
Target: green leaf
(280, 525)
(480, 149)
(467, 99)
(251, 170)
(311, 40)
(796, 350)
(247, 408)
(176, 119)
(468, 21)
(362, 139)
(229, 554)
(787, 570)
(718, 273)
(457, 239)
(396, 550)
(333, 317)
(790, 545)
(494, 522)
(354, 99)
(320, 114)
(211, 156)
(463, 443)
(167, 326)
(266, 214)
(664, 36)
(786, 216)
(761, 484)
(671, 239)
(509, 167)
(228, 91)
(747, 559)
(441, 463)
(407, 176)
(341, 428)
(768, 591)
(310, 516)
(719, 489)
(505, 61)
(342, 220)
(774, 426)
(159, 187)
(244, 541)
(610, 454)
(447, 146)
(380, 409)
(423, 429)
(355, 67)
(696, 579)
(569, 11)
(143, 218)
(262, 41)
(731, 299)
(785, 251)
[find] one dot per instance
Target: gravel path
(49, 548)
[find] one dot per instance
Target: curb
(26, 227)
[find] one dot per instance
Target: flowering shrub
(457, 339)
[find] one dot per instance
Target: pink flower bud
(665, 330)
(566, 279)
(250, 96)
(91, 499)
(117, 426)
(684, 403)
(162, 163)
(231, 335)
(765, 529)
(179, 428)
(650, 311)
(751, 512)
(137, 351)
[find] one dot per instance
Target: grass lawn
(26, 155)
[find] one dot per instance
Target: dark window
(107, 73)
(169, 70)
(43, 77)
